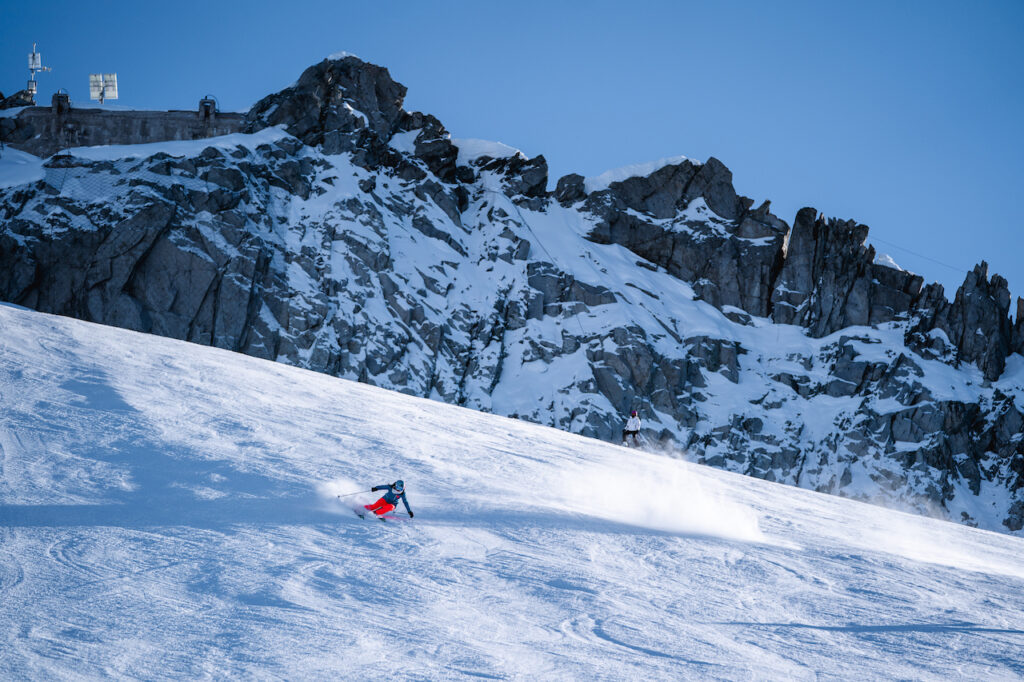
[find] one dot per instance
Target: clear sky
(905, 116)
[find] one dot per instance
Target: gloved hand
(411, 515)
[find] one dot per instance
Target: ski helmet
(633, 413)
(399, 486)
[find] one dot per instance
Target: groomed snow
(168, 511)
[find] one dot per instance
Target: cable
(914, 253)
(526, 223)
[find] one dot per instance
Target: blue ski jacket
(392, 496)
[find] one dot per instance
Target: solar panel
(110, 86)
(102, 86)
(95, 86)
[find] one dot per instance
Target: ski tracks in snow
(161, 513)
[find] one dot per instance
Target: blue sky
(902, 115)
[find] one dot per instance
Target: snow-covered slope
(346, 235)
(169, 510)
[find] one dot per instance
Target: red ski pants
(380, 507)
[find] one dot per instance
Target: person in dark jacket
(395, 492)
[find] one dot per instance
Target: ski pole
(351, 494)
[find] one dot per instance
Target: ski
(362, 514)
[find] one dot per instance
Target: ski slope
(168, 510)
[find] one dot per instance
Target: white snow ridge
(471, 149)
(886, 260)
(637, 170)
(170, 511)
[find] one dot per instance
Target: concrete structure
(44, 131)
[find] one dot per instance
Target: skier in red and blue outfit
(395, 492)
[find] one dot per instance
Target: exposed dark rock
(976, 322)
(341, 95)
(716, 355)
(829, 280)
(433, 145)
(570, 189)
(22, 98)
(394, 266)
(521, 176)
(729, 261)
(670, 189)
(1015, 520)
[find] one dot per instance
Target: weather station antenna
(102, 86)
(35, 63)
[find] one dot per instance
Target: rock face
(22, 98)
(1017, 345)
(830, 281)
(349, 236)
(976, 322)
(343, 95)
(349, 106)
(688, 219)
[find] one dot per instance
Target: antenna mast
(35, 63)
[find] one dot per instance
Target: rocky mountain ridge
(347, 235)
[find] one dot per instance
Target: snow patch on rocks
(639, 170)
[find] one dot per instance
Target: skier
(632, 428)
(395, 492)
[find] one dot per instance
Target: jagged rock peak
(687, 218)
(336, 94)
(344, 104)
(978, 322)
(1018, 328)
(830, 280)
(666, 190)
(409, 270)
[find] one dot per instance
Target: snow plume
(664, 497)
(919, 539)
(330, 490)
